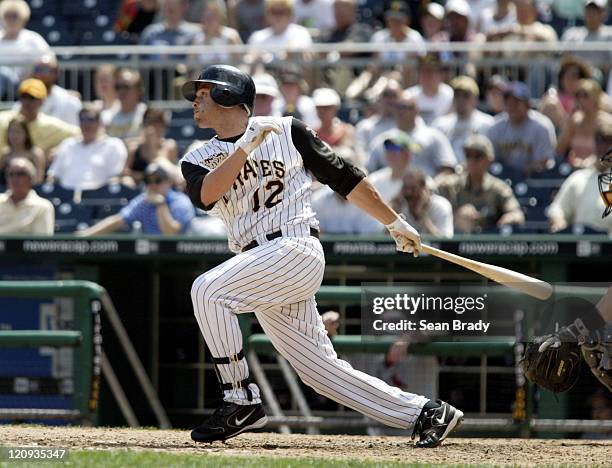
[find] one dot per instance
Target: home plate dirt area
(523, 452)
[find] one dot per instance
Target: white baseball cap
(461, 7)
(599, 3)
(331, 315)
(266, 84)
(436, 10)
(326, 97)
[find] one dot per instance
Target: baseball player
(256, 175)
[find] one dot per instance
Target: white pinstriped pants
(277, 281)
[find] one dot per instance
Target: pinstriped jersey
(271, 193)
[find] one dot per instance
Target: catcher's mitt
(555, 369)
(553, 361)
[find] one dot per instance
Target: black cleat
(228, 421)
(434, 425)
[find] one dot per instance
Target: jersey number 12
(275, 187)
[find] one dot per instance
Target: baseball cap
(436, 10)
(325, 97)
(497, 81)
(266, 84)
(598, 3)
(480, 143)
(461, 7)
(400, 140)
(519, 90)
(33, 87)
(331, 315)
(397, 10)
(465, 83)
(432, 59)
(155, 170)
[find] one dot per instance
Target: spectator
(214, 32)
(398, 30)
(466, 120)
(579, 200)
(90, 161)
(22, 211)
(398, 151)
(151, 147)
(174, 30)
(134, 16)
(578, 136)
(384, 119)
(498, 17)
(60, 103)
(558, 105)
(477, 8)
(527, 28)
(281, 32)
(159, 210)
(433, 96)
(524, 140)
(316, 15)
(46, 132)
(266, 91)
(125, 121)
(332, 130)
(562, 13)
(19, 47)
(496, 87)
(434, 154)
(346, 29)
(249, 16)
(480, 200)
(432, 20)
(594, 30)
(294, 98)
(19, 145)
(427, 212)
(460, 28)
(104, 86)
(331, 321)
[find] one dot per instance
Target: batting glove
(256, 133)
(406, 238)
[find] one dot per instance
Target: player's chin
(198, 119)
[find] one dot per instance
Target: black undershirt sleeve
(194, 176)
(330, 169)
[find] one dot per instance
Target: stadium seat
(55, 193)
(114, 195)
(70, 217)
(41, 8)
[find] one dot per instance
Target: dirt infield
(456, 451)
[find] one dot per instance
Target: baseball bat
(518, 281)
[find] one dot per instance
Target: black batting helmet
(230, 87)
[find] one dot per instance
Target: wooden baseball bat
(518, 281)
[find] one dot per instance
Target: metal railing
(163, 67)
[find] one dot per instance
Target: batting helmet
(230, 87)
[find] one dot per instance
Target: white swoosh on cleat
(440, 420)
(238, 422)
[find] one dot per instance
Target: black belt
(275, 235)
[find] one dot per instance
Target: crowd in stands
(453, 149)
